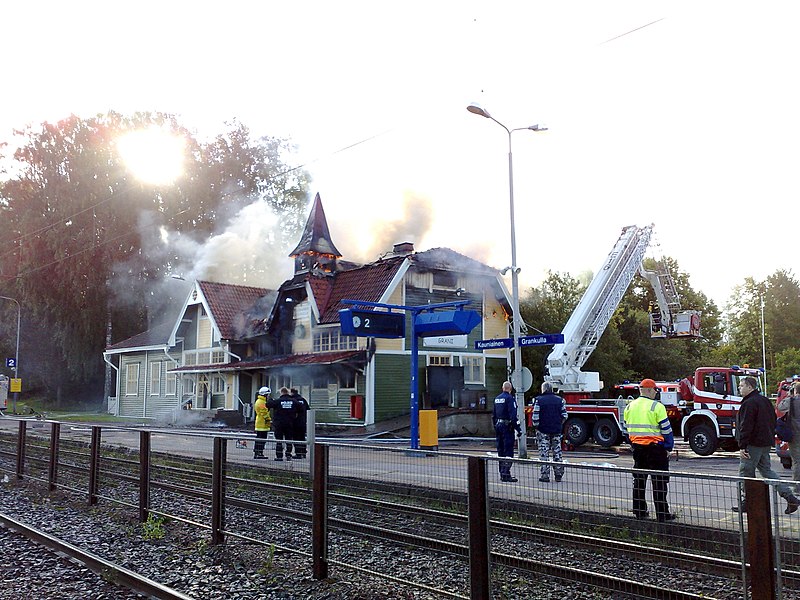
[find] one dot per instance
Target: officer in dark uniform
(505, 421)
(300, 423)
(284, 414)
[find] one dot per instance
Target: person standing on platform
(647, 427)
(283, 419)
(791, 404)
(505, 420)
(300, 423)
(755, 434)
(549, 416)
(263, 421)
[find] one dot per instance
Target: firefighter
(285, 409)
(263, 421)
(648, 430)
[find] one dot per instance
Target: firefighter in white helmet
(263, 421)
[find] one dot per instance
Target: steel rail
(102, 567)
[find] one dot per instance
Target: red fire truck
(702, 408)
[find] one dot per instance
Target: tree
(86, 239)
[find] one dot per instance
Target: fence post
(94, 465)
(23, 428)
(319, 513)
(760, 549)
(144, 475)
(52, 470)
(311, 428)
(478, 508)
(218, 468)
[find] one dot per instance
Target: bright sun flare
(153, 155)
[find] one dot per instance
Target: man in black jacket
(755, 433)
(284, 415)
(300, 423)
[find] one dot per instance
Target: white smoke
(251, 250)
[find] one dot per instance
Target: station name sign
(492, 344)
(545, 339)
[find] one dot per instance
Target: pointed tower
(315, 250)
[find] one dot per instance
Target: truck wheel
(576, 431)
(786, 461)
(605, 432)
(702, 440)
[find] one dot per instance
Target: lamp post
(516, 377)
(764, 348)
(16, 355)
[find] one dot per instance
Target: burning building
(228, 340)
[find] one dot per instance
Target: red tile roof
(366, 283)
(227, 303)
(156, 337)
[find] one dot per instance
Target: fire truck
(702, 408)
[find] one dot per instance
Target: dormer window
(445, 279)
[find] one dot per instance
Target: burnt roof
(228, 302)
(316, 238)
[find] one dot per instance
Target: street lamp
(16, 355)
(516, 377)
(764, 347)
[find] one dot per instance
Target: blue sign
(11, 363)
(492, 344)
(448, 322)
(371, 323)
(545, 339)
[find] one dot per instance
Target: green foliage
(85, 243)
(153, 528)
(780, 293)
(269, 561)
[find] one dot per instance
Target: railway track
(385, 512)
(105, 569)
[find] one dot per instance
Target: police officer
(647, 426)
(300, 423)
(549, 416)
(505, 420)
(263, 421)
(283, 419)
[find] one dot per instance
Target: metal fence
(413, 514)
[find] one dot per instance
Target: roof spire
(316, 248)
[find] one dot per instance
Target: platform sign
(371, 323)
(11, 363)
(444, 323)
(545, 339)
(492, 344)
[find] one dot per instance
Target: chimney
(403, 249)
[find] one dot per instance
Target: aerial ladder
(595, 309)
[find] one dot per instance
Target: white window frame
(218, 385)
(473, 365)
(171, 385)
(132, 383)
(155, 377)
(440, 360)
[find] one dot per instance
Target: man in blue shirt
(549, 416)
(505, 420)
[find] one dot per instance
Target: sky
(684, 114)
